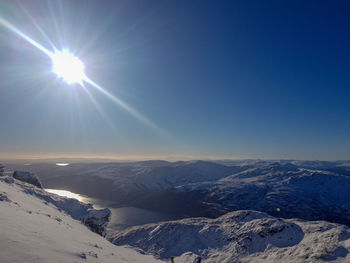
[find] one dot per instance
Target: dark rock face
(2, 169)
(3, 197)
(97, 220)
(27, 177)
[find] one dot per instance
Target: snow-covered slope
(242, 236)
(283, 190)
(33, 229)
(96, 220)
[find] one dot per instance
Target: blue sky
(222, 79)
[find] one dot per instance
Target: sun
(68, 67)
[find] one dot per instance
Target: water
(62, 164)
(122, 217)
(125, 217)
(66, 193)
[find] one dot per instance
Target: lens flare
(68, 67)
(71, 69)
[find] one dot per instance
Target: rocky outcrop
(27, 177)
(2, 169)
(97, 220)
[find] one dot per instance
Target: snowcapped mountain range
(252, 210)
(283, 190)
(242, 236)
(311, 190)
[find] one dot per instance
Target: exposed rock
(2, 169)
(97, 220)
(27, 177)
(4, 198)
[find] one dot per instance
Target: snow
(33, 229)
(284, 190)
(95, 219)
(31, 218)
(242, 236)
(312, 190)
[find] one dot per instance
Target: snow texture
(283, 190)
(242, 236)
(96, 220)
(34, 229)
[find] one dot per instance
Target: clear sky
(224, 79)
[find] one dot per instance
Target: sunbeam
(34, 22)
(98, 107)
(9, 26)
(71, 69)
(124, 105)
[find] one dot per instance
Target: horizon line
(165, 157)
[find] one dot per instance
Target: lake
(122, 217)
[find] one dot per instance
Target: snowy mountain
(283, 190)
(312, 190)
(242, 236)
(37, 226)
(41, 227)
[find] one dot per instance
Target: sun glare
(71, 69)
(68, 67)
